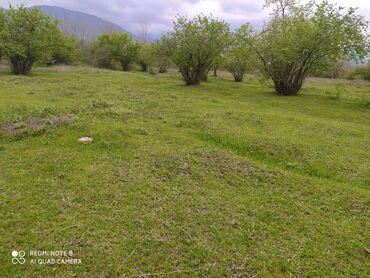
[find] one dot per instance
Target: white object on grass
(85, 139)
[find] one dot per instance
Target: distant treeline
(298, 41)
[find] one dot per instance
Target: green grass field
(220, 180)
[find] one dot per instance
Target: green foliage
(337, 70)
(194, 44)
(366, 72)
(87, 53)
(163, 51)
(152, 57)
(142, 57)
(96, 54)
(119, 47)
(360, 72)
(148, 57)
(28, 36)
(65, 50)
(308, 39)
(240, 56)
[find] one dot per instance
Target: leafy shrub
(240, 56)
(302, 39)
(360, 72)
(65, 50)
(28, 36)
(119, 47)
(194, 44)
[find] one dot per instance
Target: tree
(163, 48)
(145, 56)
(217, 63)
(366, 72)
(148, 58)
(339, 69)
(302, 39)
(120, 47)
(65, 50)
(164, 63)
(195, 43)
(240, 56)
(152, 56)
(360, 72)
(97, 54)
(28, 36)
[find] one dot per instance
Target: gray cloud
(159, 14)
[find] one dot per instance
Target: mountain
(78, 24)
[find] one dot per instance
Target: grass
(219, 180)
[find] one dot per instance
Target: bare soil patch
(36, 124)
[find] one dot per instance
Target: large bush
(337, 70)
(360, 72)
(366, 72)
(96, 54)
(163, 52)
(301, 39)
(194, 44)
(240, 56)
(28, 36)
(119, 47)
(148, 58)
(65, 50)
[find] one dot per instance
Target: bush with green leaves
(240, 57)
(120, 47)
(163, 51)
(337, 70)
(194, 44)
(302, 39)
(28, 36)
(360, 72)
(366, 72)
(65, 50)
(148, 58)
(151, 57)
(96, 54)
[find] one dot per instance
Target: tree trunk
(144, 66)
(20, 65)
(162, 68)
(205, 75)
(214, 72)
(284, 88)
(192, 77)
(125, 66)
(238, 76)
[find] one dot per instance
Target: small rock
(85, 139)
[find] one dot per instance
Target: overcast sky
(158, 14)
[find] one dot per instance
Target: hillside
(218, 180)
(80, 24)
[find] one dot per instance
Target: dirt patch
(36, 124)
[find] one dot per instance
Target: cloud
(158, 15)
